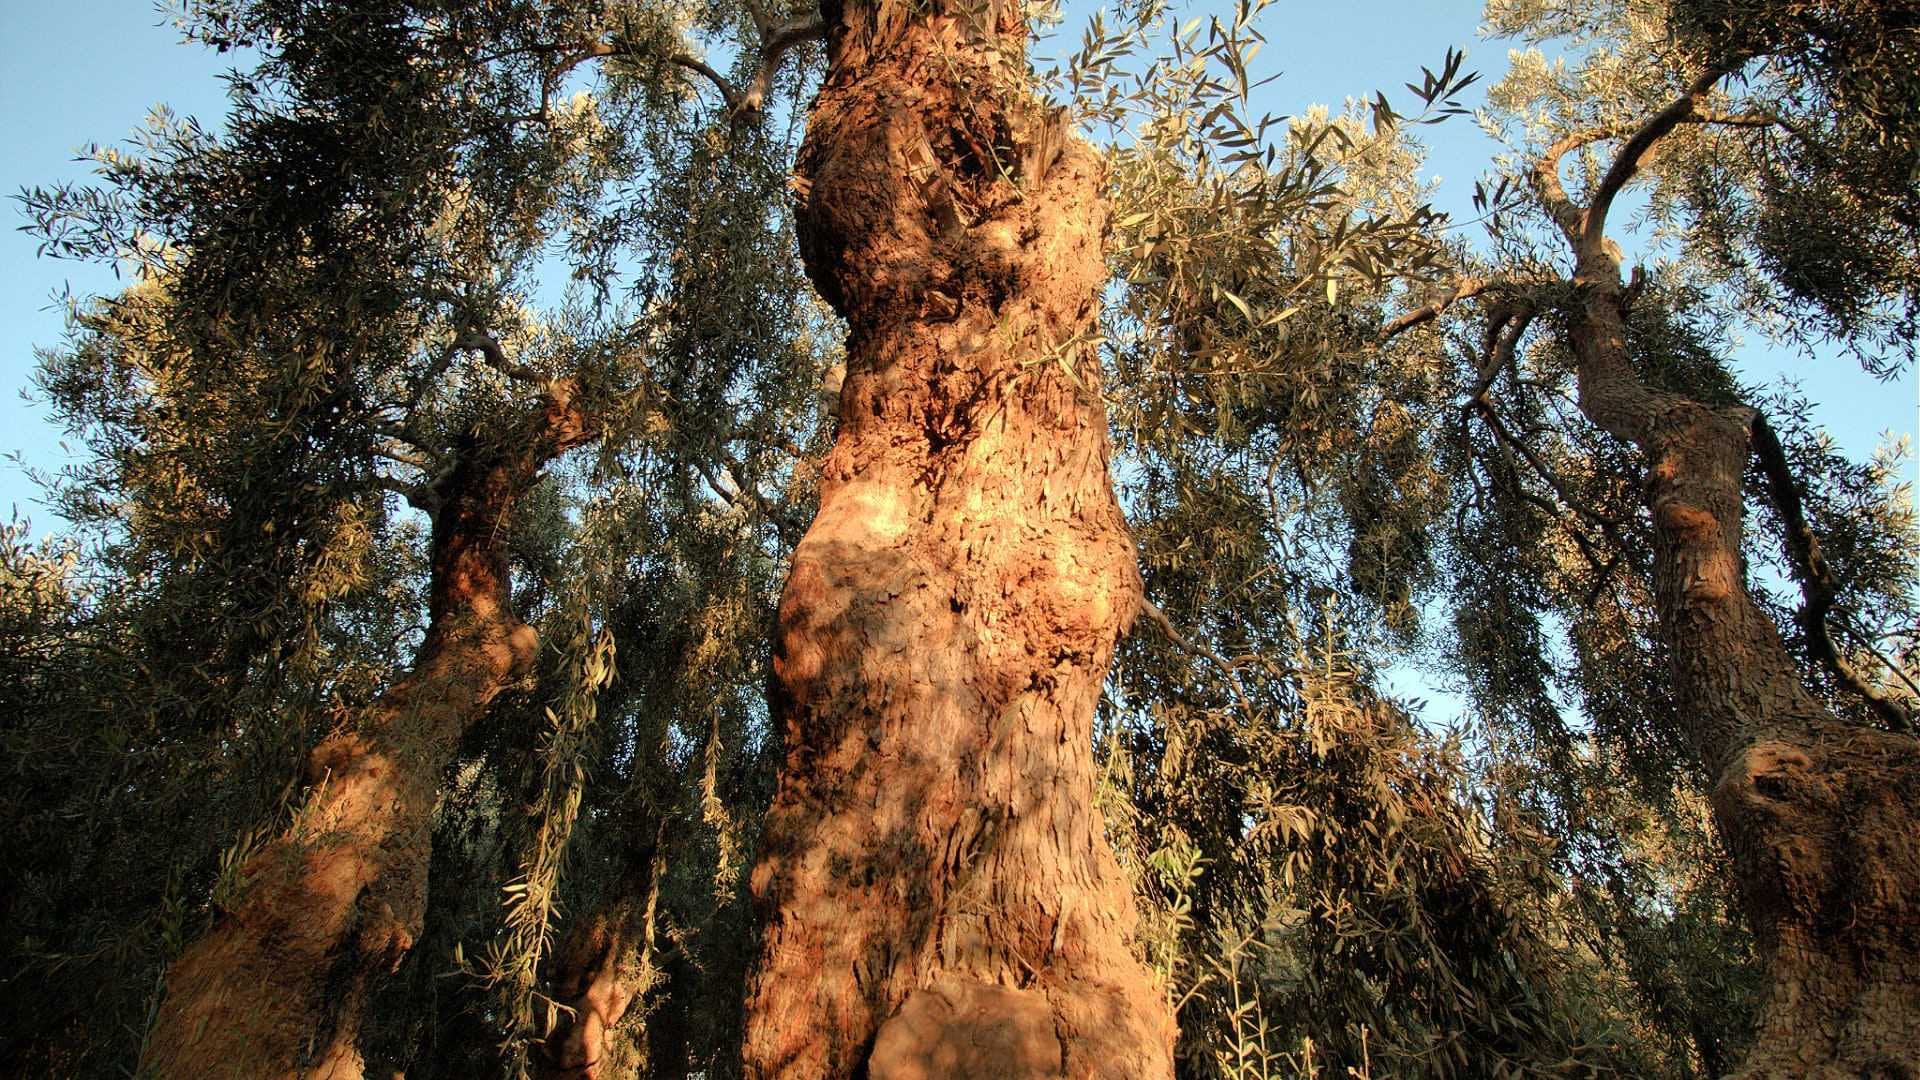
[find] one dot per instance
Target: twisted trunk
(937, 893)
(1822, 817)
(275, 988)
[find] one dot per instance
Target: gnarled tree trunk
(1822, 817)
(938, 895)
(275, 988)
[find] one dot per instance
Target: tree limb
(496, 356)
(1584, 226)
(1560, 487)
(775, 40)
(1505, 328)
(774, 43)
(402, 457)
(1818, 590)
(728, 93)
(1463, 289)
(418, 496)
(1627, 161)
(1159, 618)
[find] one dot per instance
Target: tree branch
(402, 457)
(427, 379)
(1463, 289)
(1897, 671)
(1505, 328)
(419, 496)
(774, 43)
(1159, 618)
(775, 40)
(1818, 590)
(1584, 226)
(1560, 487)
(489, 347)
(1627, 161)
(728, 94)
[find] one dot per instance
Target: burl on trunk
(275, 988)
(938, 895)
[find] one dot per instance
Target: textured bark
(1822, 818)
(275, 988)
(934, 880)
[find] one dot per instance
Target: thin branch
(1159, 618)
(1898, 672)
(1635, 285)
(1818, 590)
(1560, 487)
(1583, 226)
(399, 433)
(790, 528)
(1463, 289)
(748, 497)
(1505, 328)
(731, 492)
(728, 94)
(423, 383)
(776, 38)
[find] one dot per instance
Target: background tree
(1780, 753)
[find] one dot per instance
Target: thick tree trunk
(275, 987)
(1822, 817)
(938, 895)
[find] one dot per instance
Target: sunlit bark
(938, 895)
(275, 988)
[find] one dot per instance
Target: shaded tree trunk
(937, 893)
(604, 967)
(1822, 817)
(275, 988)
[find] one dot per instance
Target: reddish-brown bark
(1819, 815)
(275, 988)
(938, 895)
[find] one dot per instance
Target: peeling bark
(934, 879)
(1821, 817)
(275, 988)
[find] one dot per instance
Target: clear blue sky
(86, 71)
